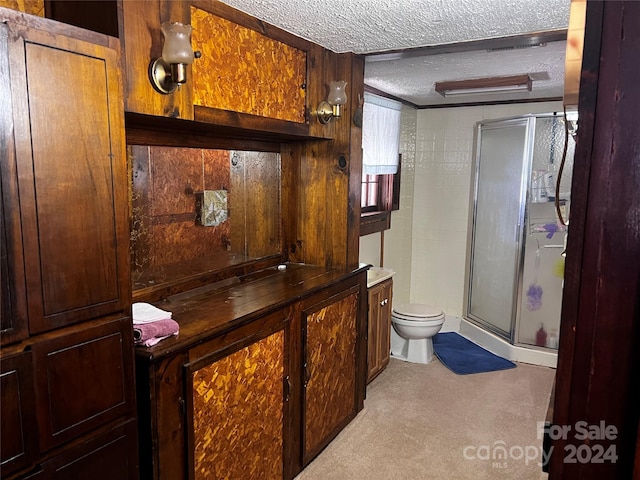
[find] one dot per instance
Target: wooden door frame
(600, 327)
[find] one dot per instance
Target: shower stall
(515, 257)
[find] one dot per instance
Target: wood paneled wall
(598, 360)
(168, 240)
(323, 178)
(139, 27)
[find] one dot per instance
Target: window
(380, 163)
(381, 192)
(380, 195)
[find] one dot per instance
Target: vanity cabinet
(330, 384)
(239, 402)
(379, 328)
(67, 354)
(262, 376)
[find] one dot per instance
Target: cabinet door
(238, 410)
(84, 379)
(112, 455)
(330, 368)
(72, 174)
(19, 429)
(379, 329)
(13, 311)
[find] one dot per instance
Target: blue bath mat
(463, 357)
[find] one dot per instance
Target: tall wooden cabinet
(67, 356)
(69, 144)
(13, 320)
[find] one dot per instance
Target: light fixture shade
(337, 94)
(177, 43)
(486, 85)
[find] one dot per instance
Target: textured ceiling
(367, 26)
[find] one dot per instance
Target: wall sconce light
(332, 107)
(480, 86)
(170, 71)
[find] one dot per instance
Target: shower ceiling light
(487, 85)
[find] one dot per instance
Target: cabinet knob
(384, 302)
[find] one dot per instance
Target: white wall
(398, 257)
(427, 242)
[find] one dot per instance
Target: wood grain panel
(330, 357)
(598, 367)
(106, 457)
(176, 174)
(332, 239)
(78, 176)
(167, 241)
(168, 458)
(72, 177)
(83, 380)
(379, 329)
(19, 430)
(142, 39)
(238, 406)
(13, 322)
(255, 204)
(166, 238)
(354, 160)
(244, 71)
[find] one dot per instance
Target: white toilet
(414, 326)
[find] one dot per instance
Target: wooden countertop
(208, 311)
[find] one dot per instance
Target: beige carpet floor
(425, 422)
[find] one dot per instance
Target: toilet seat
(418, 312)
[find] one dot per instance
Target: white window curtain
(380, 135)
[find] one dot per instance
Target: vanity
(262, 376)
(380, 294)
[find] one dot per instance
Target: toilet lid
(418, 310)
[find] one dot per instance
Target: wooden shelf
(215, 128)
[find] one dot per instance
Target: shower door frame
(530, 122)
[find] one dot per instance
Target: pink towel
(148, 334)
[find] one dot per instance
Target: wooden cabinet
(280, 371)
(71, 164)
(13, 314)
(330, 364)
(67, 357)
(107, 456)
(238, 404)
(19, 429)
(379, 329)
(84, 379)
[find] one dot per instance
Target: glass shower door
(543, 268)
(502, 169)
